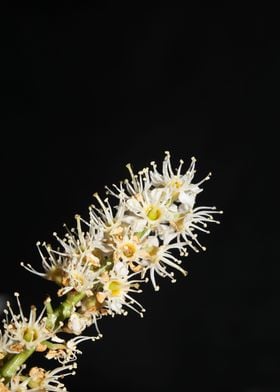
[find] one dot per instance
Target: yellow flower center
(152, 253)
(153, 213)
(115, 287)
(176, 183)
(129, 250)
(30, 334)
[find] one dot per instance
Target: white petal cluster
(105, 260)
(154, 217)
(24, 333)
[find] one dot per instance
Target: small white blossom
(104, 217)
(78, 276)
(187, 222)
(77, 323)
(78, 247)
(42, 380)
(180, 185)
(26, 333)
(117, 287)
(126, 245)
(156, 258)
(67, 352)
(138, 184)
(51, 263)
(82, 244)
(81, 319)
(90, 311)
(149, 209)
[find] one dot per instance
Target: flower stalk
(65, 309)
(11, 367)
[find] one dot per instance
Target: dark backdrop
(88, 89)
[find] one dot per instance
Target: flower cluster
(101, 265)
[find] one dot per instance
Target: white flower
(117, 286)
(149, 209)
(156, 259)
(186, 222)
(104, 217)
(180, 185)
(77, 323)
(84, 317)
(138, 184)
(85, 247)
(51, 263)
(26, 333)
(79, 242)
(42, 380)
(77, 273)
(126, 245)
(67, 352)
(90, 310)
(78, 276)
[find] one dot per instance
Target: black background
(89, 88)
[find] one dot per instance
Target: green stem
(64, 310)
(54, 346)
(11, 367)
